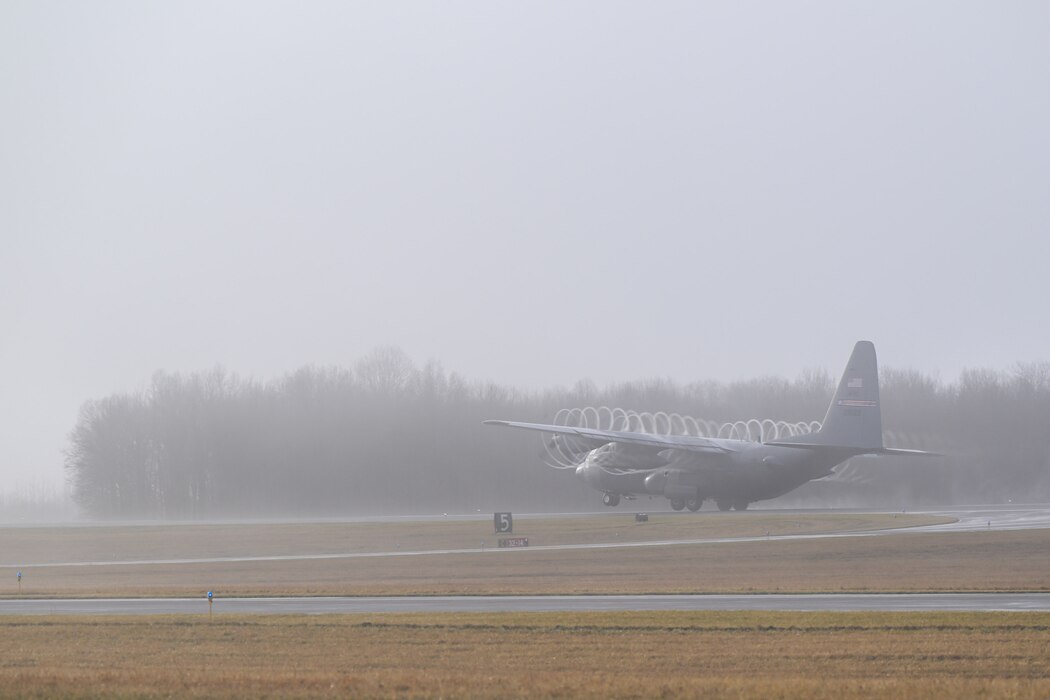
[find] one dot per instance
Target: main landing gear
(611, 499)
(692, 504)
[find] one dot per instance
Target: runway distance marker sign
(504, 523)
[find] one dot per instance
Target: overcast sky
(528, 192)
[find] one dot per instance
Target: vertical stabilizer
(854, 418)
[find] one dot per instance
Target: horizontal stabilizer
(886, 451)
(894, 452)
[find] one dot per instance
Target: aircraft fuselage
(755, 473)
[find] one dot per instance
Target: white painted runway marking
(965, 602)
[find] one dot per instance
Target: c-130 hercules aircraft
(689, 469)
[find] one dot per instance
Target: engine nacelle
(669, 483)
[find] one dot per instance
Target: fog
(530, 194)
(387, 437)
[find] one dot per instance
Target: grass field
(973, 561)
(539, 655)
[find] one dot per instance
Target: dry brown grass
(541, 655)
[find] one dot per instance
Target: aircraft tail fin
(854, 418)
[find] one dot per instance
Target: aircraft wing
(690, 443)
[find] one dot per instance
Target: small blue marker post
(209, 604)
(19, 583)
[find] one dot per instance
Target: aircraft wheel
(693, 504)
(724, 505)
(742, 505)
(611, 499)
(677, 504)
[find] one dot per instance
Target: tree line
(386, 436)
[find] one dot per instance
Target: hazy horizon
(530, 194)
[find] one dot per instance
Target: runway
(971, 518)
(967, 519)
(959, 602)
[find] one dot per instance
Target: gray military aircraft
(734, 473)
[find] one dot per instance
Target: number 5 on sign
(504, 523)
